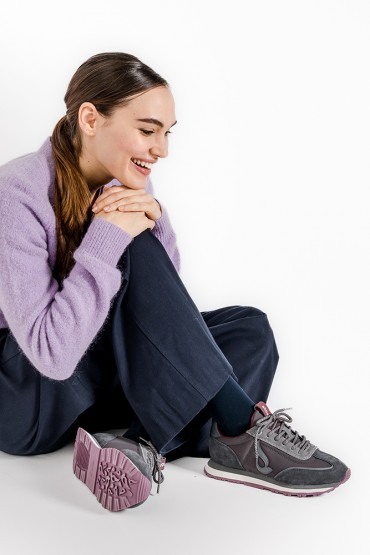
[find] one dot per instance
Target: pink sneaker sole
(111, 476)
(260, 484)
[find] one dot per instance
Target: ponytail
(72, 199)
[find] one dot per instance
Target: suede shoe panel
(220, 452)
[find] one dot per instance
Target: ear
(87, 118)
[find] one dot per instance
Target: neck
(94, 177)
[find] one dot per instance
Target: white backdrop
(266, 182)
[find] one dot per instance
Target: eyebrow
(154, 121)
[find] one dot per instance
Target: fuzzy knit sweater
(44, 319)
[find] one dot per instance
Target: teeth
(141, 163)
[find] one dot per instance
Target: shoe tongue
(260, 410)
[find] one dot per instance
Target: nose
(160, 148)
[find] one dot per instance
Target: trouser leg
(170, 365)
(246, 339)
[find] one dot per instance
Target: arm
(54, 328)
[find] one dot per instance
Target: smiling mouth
(141, 163)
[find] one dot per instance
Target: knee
(249, 313)
(252, 312)
(257, 322)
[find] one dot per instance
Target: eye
(147, 131)
(168, 132)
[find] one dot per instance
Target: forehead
(156, 103)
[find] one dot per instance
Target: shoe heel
(111, 476)
(86, 458)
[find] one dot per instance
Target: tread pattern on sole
(113, 478)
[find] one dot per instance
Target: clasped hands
(123, 199)
(133, 210)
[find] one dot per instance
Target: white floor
(45, 509)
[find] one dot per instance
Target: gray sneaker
(270, 455)
(117, 470)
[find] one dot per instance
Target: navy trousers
(156, 363)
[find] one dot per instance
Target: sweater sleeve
(163, 230)
(55, 327)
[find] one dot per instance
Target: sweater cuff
(162, 224)
(105, 241)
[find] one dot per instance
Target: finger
(120, 192)
(112, 199)
(121, 202)
(108, 191)
(134, 207)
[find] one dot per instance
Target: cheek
(118, 148)
(123, 147)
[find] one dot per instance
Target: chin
(134, 186)
(135, 183)
(130, 183)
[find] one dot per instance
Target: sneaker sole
(223, 473)
(111, 476)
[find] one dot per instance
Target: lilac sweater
(55, 328)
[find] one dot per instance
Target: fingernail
(94, 208)
(106, 208)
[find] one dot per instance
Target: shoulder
(31, 176)
(37, 165)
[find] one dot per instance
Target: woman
(97, 329)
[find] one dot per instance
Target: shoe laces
(278, 427)
(157, 462)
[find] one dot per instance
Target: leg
(169, 362)
(246, 339)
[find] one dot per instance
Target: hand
(127, 200)
(133, 223)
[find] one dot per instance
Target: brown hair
(108, 81)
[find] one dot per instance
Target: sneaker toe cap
(333, 473)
